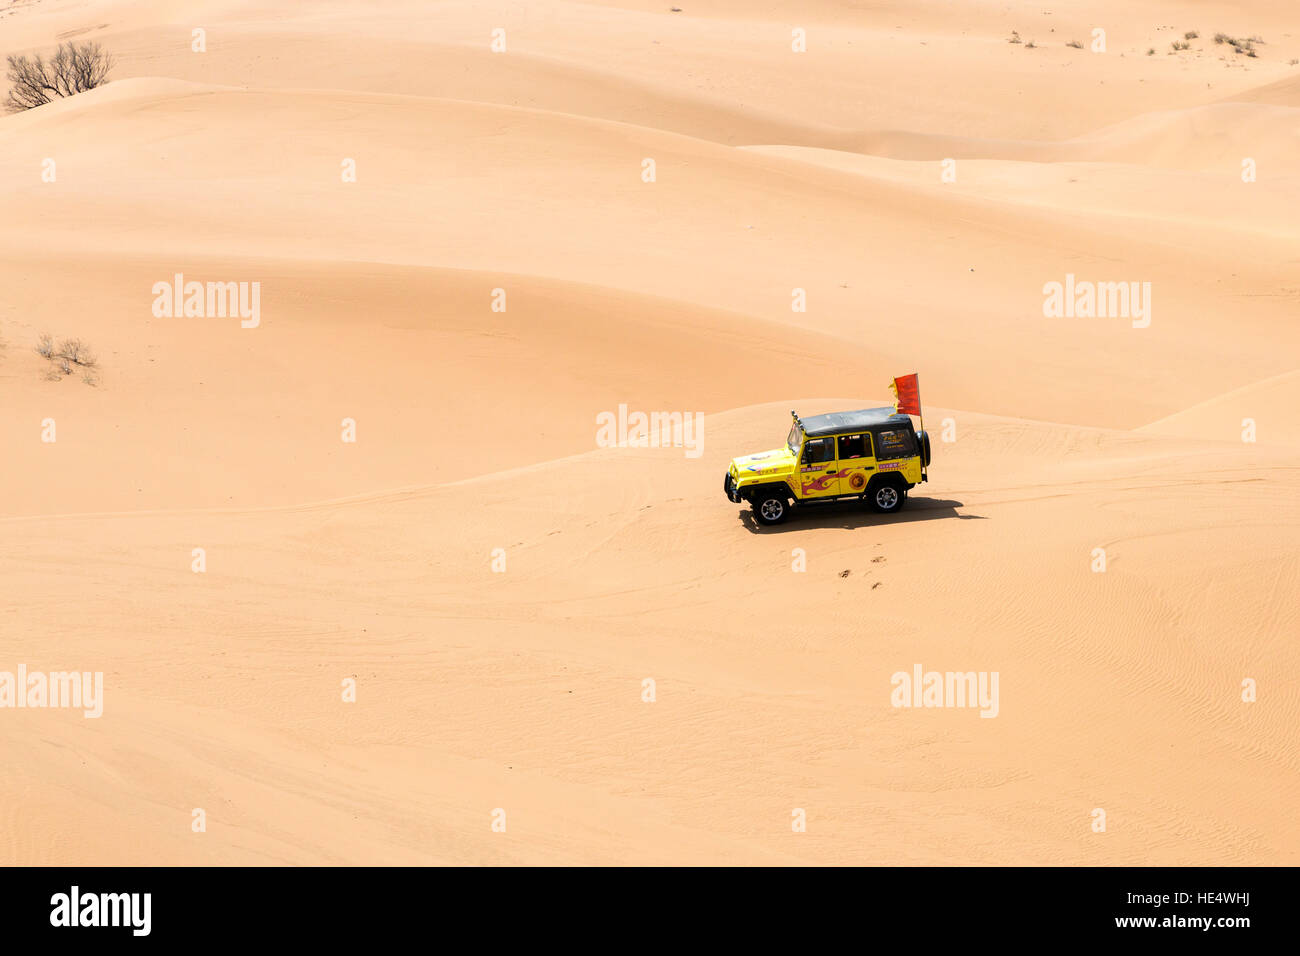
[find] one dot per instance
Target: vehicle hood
(778, 461)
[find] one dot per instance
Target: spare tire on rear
(923, 447)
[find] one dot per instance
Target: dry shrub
(74, 68)
(77, 352)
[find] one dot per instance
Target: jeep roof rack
(836, 422)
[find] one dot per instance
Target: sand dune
(416, 357)
(522, 689)
(1263, 409)
(957, 275)
(484, 178)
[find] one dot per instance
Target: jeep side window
(894, 443)
(855, 446)
(818, 450)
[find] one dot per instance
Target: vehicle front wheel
(886, 498)
(770, 508)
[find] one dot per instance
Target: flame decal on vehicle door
(822, 483)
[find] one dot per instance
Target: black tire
(886, 497)
(770, 506)
(923, 448)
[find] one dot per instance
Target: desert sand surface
(1172, 445)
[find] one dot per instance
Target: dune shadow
(854, 514)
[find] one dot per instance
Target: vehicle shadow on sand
(854, 514)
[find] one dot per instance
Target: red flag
(907, 393)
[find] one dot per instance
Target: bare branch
(75, 68)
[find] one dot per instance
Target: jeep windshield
(794, 440)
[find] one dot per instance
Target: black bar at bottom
(339, 905)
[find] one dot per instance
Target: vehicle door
(855, 461)
(818, 473)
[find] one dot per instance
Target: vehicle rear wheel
(886, 497)
(770, 507)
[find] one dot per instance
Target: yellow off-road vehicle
(873, 454)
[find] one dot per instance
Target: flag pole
(920, 413)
